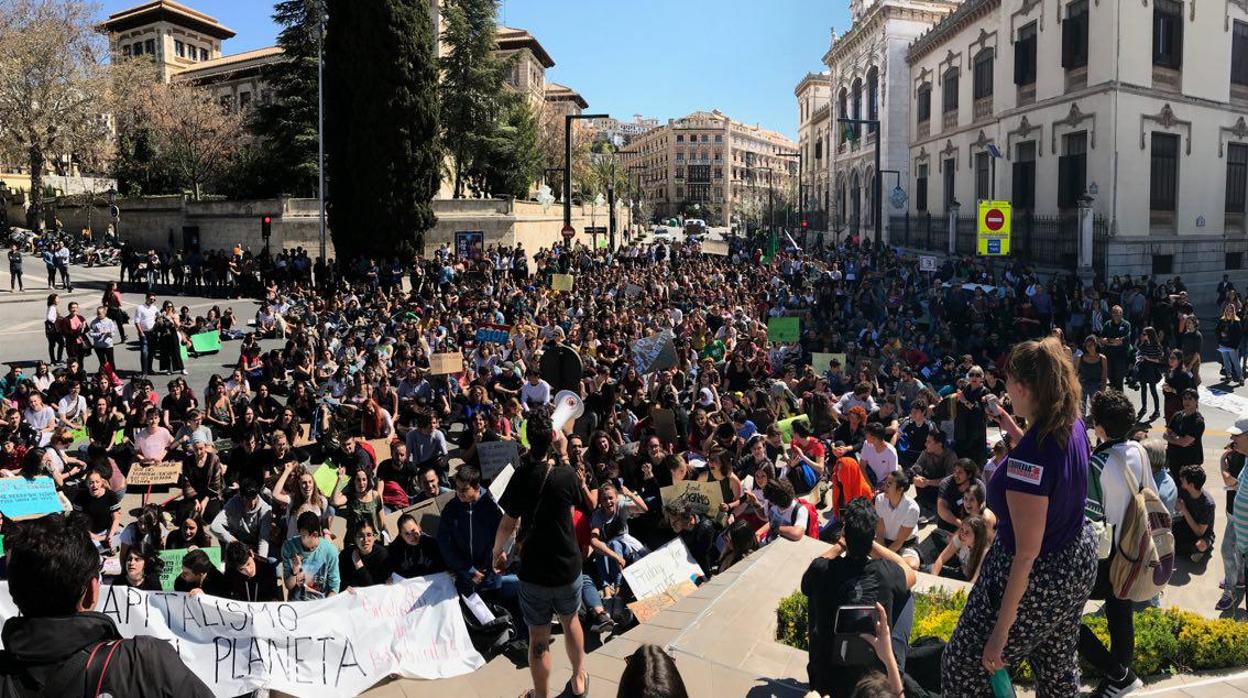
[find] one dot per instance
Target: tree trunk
(195, 190)
(34, 214)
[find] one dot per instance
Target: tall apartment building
(707, 165)
(1121, 130)
(814, 138)
(621, 133)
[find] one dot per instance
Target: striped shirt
(1239, 517)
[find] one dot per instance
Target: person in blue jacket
(466, 539)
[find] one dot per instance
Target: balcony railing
(982, 109)
(925, 128)
(949, 120)
(1167, 79)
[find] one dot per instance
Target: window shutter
(1020, 52)
(1068, 42)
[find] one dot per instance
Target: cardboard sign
(497, 488)
(702, 498)
(497, 455)
(786, 426)
(206, 342)
(499, 334)
(646, 609)
(469, 244)
(718, 248)
(446, 363)
(561, 282)
(173, 563)
(662, 569)
(326, 478)
(22, 499)
(654, 353)
(784, 329)
(159, 474)
(927, 263)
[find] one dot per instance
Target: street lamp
(801, 205)
(568, 230)
(879, 178)
(320, 119)
(638, 194)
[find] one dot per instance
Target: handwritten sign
(172, 560)
(498, 334)
(783, 329)
(496, 455)
(159, 474)
(927, 263)
(21, 498)
(662, 569)
(446, 363)
(561, 282)
(646, 609)
(702, 498)
(719, 248)
(326, 478)
(654, 353)
(330, 648)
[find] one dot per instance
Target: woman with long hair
(52, 315)
(968, 546)
(1093, 370)
(1150, 360)
(360, 500)
(1039, 570)
(1230, 330)
(848, 483)
(303, 496)
(1178, 379)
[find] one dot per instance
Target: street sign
(927, 263)
(568, 232)
(993, 231)
(595, 230)
(898, 198)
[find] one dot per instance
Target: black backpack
(82, 673)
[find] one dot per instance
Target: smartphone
(855, 619)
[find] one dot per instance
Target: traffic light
(805, 224)
(266, 227)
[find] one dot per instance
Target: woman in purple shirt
(1040, 569)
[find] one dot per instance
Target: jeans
(105, 355)
(609, 570)
(146, 353)
(590, 598)
(1231, 560)
(1230, 362)
(1119, 614)
(1151, 388)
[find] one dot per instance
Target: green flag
(773, 246)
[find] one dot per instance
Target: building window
(138, 48)
(125, 50)
(1236, 177)
(842, 112)
(819, 149)
(983, 74)
(719, 139)
(1164, 173)
(873, 97)
(857, 114)
(949, 182)
(949, 102)
(1163, 264)
(925, 103)
(203, 54)
(149, 46)
(244, 100)
(1239, 54)
(179, 49)
(1024, 175)
(1025, 56)
(1075, 36)
(1168, 34)
(920, 188)
(680, 138)
(1072, 170)
(1234, 261)
(983, 180)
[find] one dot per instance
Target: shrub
(1167, 641)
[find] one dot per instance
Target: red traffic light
(268, 220)
(805, 224)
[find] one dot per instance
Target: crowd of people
(948, 411)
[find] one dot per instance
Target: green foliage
(1167, 641)
(286, 124)
(510, 161)
(381, 130)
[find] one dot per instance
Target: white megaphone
(568, 407)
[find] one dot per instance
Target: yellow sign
(561, 282)
(993, 239)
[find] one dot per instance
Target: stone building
(1122, 146)
(814, 140)
(707, 165)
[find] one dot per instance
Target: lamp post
(801, 161)
(636, 199)
(876, 209)
(568, 230)
(320, 119)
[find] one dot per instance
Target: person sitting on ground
(968, 547)
(200, 576)
(932, 467)
(787, 517)
(139, 571)
(611, 541)
(466, 533)
(898, 518)
(249, 577)
(413, 553)
(246, 517)
(309, 562)
(856, 570)
(54, 581)
(1193, 527)
(363, 563)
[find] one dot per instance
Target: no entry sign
(994, 229)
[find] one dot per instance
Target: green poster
(173, 564)
(326, 478)
(206, 342)
(786, 426)
(783, 329)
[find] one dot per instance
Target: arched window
(842, 111)
(873, 96)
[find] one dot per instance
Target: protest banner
(158, 474)
(786, 426)
(649, 607)
(661, 569)
(326, 478)
(206, 342)
(664, 424)
(784, 329)
(496, 455)
(498, 334)
(446, 363)
(22, 499)
(172, 560)
(654, 353)
(330, 648)
(702, 498)
(561, 282)
(718, 248)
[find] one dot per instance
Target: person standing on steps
(15, 268)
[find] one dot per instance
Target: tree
(474, 98)
(381, 125)
(286, 124)
(54, 89)
(550, 130)
(192, 134)
(511, 161)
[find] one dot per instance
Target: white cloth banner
(328, 648)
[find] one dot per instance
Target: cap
(1239, 427)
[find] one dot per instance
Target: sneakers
(602, 623)
(1227, 602)
(1110, 688)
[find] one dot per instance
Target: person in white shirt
(40, 417)
(73, 407)
(786, 517)
(535, 392)
(101, 331)
(144, 320)
(878, 457)
(898, 518)
(860, 397)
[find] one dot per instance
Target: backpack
(812, 518)
(1145, 549)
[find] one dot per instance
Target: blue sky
(660, 58)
